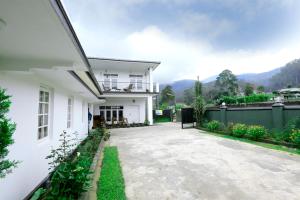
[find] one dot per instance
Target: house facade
(54, 86)
(128, 89)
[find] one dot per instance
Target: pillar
(277, 116)
(149, 110)
(223, 116)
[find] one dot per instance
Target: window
(111, 113)
(70, 112)
(43, 113)
(136, 81)
(111, 81)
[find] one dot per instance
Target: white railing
(120, 86)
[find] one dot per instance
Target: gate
(187, 116)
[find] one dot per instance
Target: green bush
(256, 132)
(213, 125)
(245, 99)
(295, 137)
(239, 130)
(292, 125)
(229, 128)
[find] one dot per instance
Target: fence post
(223, 117)
(277, 116)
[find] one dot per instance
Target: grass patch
(262, 144)
(162, 119)
(111, 183)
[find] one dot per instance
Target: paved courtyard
(165, 162)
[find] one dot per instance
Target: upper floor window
(111, 81)
(43, 113)
(70, 112)
(136, 81)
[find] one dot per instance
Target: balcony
(128, 87)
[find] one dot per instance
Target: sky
(190, 37)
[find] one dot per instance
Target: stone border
(95, 168)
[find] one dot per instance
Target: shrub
(295, 137)
(256, 132)
(106, 135)
(213, 125)
(7, 128)
(239, 130)
(199, 108)
(229, 128)
(292, 125)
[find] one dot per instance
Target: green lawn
(111, 183)
(162, 119)
(262, 144)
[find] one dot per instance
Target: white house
(128, 89)
(45, 70)
(52, 85)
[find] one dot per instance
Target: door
(133, 114)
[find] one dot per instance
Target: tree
(167, 95)
(198, 87)
(248, 89)
(199, 103)
(188, 96)
(7, 128)
(226, 83)
(260, 89)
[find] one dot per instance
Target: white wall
(24, 89)
(126, 102)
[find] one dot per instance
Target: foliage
(106, 135)
(161, 119)
(167, 95)
(229, 128)
(71, 175)
(295, 137)
(289, 75)
(188, 96)
(198, 88)
(38, 194)
(226, 83)
(248, 89)
(199, 108)
(111, 183)
(239, 130)
(260, 89)
(213, 125)
(244, 99)
(256, 132)
(179, 106)
(163, 106)
(7, 128)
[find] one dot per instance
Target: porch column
(149, 110)
(150, 80)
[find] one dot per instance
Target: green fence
(273, 117)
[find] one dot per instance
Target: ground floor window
(111, 113)
(43, 114)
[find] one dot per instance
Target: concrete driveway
(165, 162)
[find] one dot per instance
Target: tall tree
(189, 96)
(248, 89)
(198, 87)
(226, 83)
(167, 95)
(260, 89)
(7, 128)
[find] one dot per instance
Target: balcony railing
(127, 87)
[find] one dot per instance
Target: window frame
(70, 108)
(44, 113)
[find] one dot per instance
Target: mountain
(255, 78)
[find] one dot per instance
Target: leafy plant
(256, 132)
(199, 108)
(106, 135)
(7, 128)
(229, 128)
(295, 136)
(213, 125)
(239, 130)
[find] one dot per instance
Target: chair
(106, 89)
(123, 121)
(129, 88)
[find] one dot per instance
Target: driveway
(165, 162)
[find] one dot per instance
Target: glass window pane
(115, 113)
(46, 96)
(40, 123)
(120, 114)
(108, 115)
(45, 119)
(41, 95)
(139, 84)
(40, 108)
(39, 133)
(45, 131)
(46, 108)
